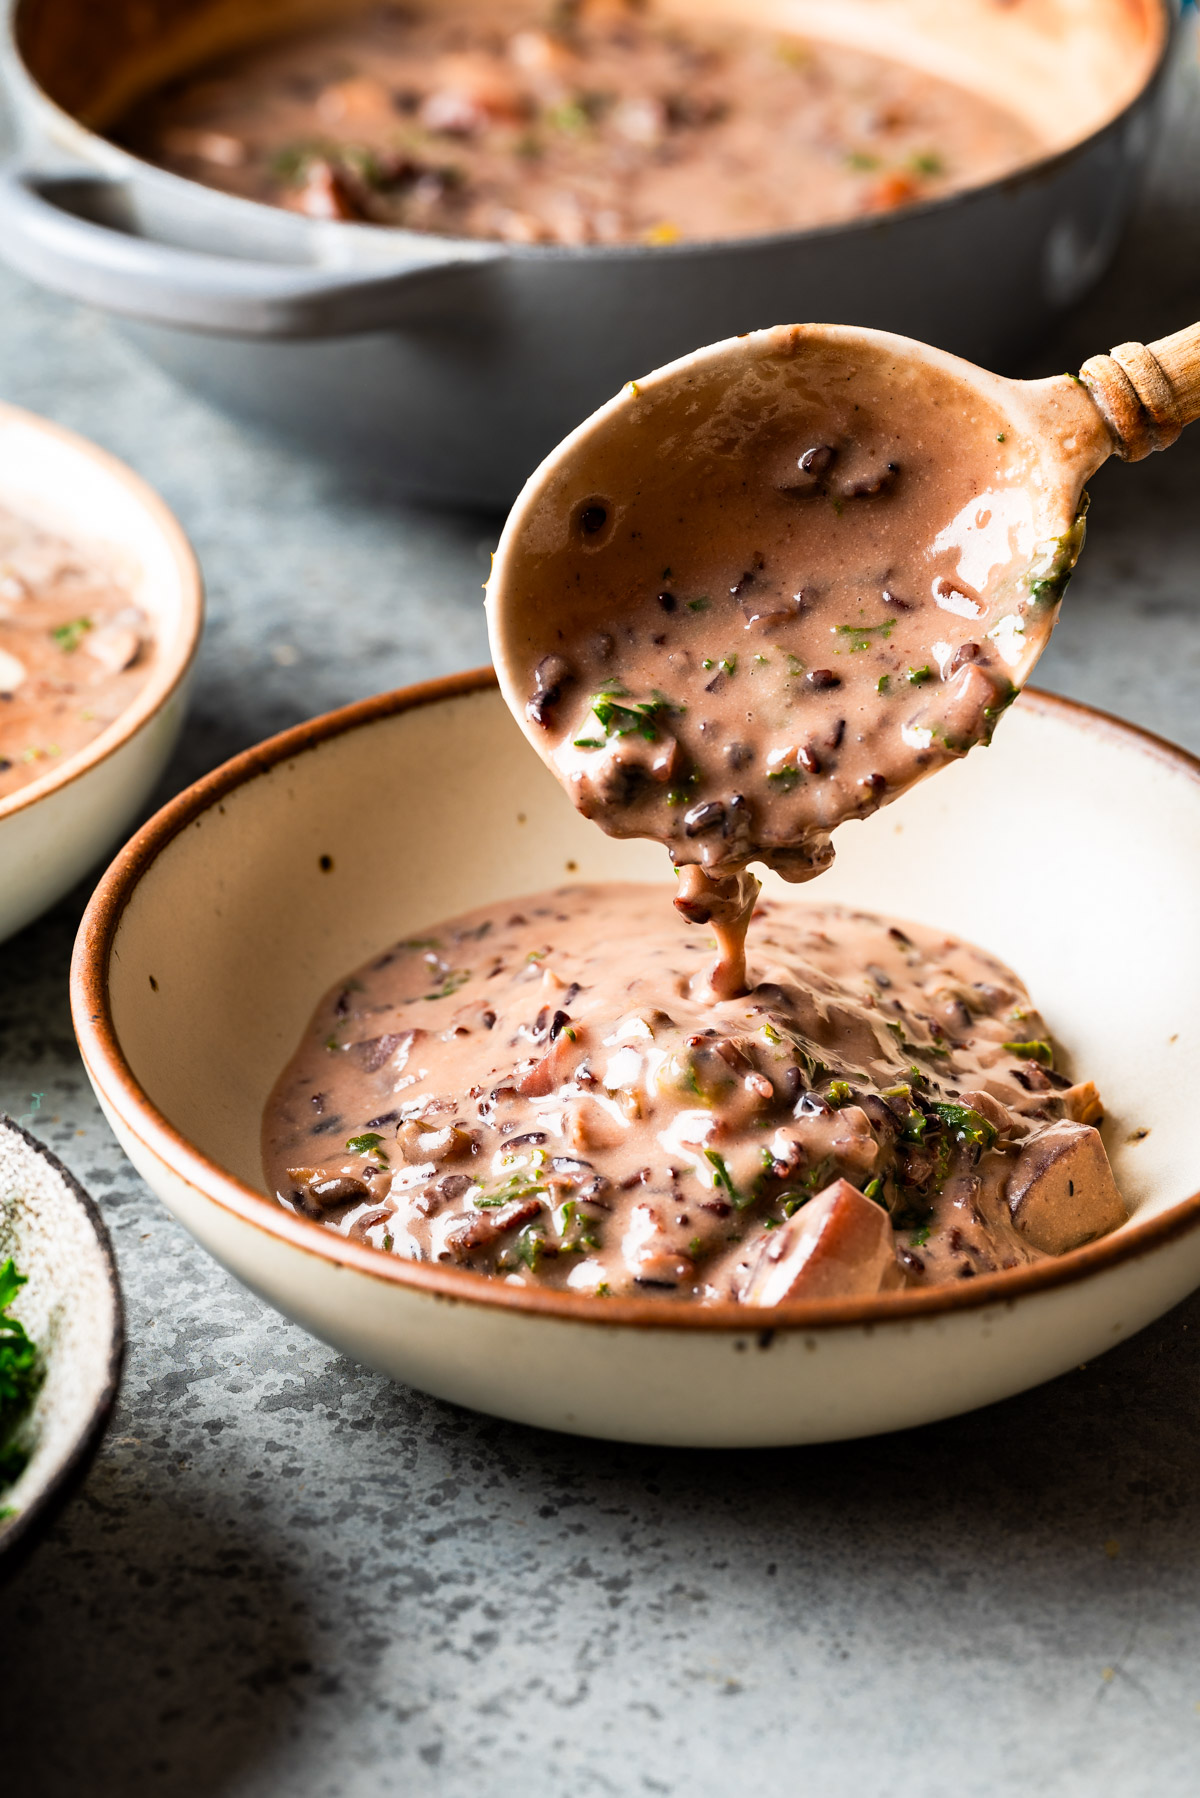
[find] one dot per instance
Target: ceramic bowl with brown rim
(54, 828)
(1071, 849)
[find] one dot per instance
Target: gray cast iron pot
(453, 366)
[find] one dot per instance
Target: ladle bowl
(669, 468)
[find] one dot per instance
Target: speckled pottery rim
(114, 1079)
(174, 656)
(18, 1533)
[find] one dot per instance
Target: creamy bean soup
(75, 650)
(599, 122)
(547, 1091)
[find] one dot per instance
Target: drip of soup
(600, 123)
(75, 650)
(548, 1092)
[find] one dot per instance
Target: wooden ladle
(764, 507)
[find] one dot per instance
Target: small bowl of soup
(272, 967)
(101, 610)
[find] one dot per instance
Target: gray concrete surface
(286, 1577)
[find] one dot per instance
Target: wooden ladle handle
(1147, 392)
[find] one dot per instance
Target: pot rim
(117, 1084)
(174, 656)
(463, 249)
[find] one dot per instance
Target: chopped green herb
(862, 161)
(839, 1094)
(1049, 577)
(921, 1237)
(21, 1374)
(683, 790)
(456, 978)
(707, 663)
(785, 778)
(881, 685)
(723, 1178)
(1000, 438)
(367, 1144)
(70, 636)
(792, 1201)
(729, 665)
(623, 720)
(772, 1035)
(526, 1251)
(861, 634)
(919, 675)
(969, 1126)
(795, 665)
(1032, 1051)
(873, 1188)
(698, 605)
(927, 162)
(570, 117)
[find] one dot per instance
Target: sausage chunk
(1062, 1193)
(837, 1246)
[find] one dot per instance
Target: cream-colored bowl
(1071, 848)
(53, 830)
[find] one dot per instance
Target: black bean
(717, 682)
(593, 518)
(867, 485)
(834, 739)
(572, 992)
(874, 783)
(550, 676)
(387, 1117)
(708, 815)
(739, 755)
(533, 1139)
(893, 599)
(808, 759)
(317, 1101)
(817, 459)
(823, 679)
(557, 1022)
(739, 818)
(453, 1186)
(667, 601)
(966, 652)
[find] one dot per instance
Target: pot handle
(45, 234)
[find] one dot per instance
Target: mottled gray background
(285, 1576)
